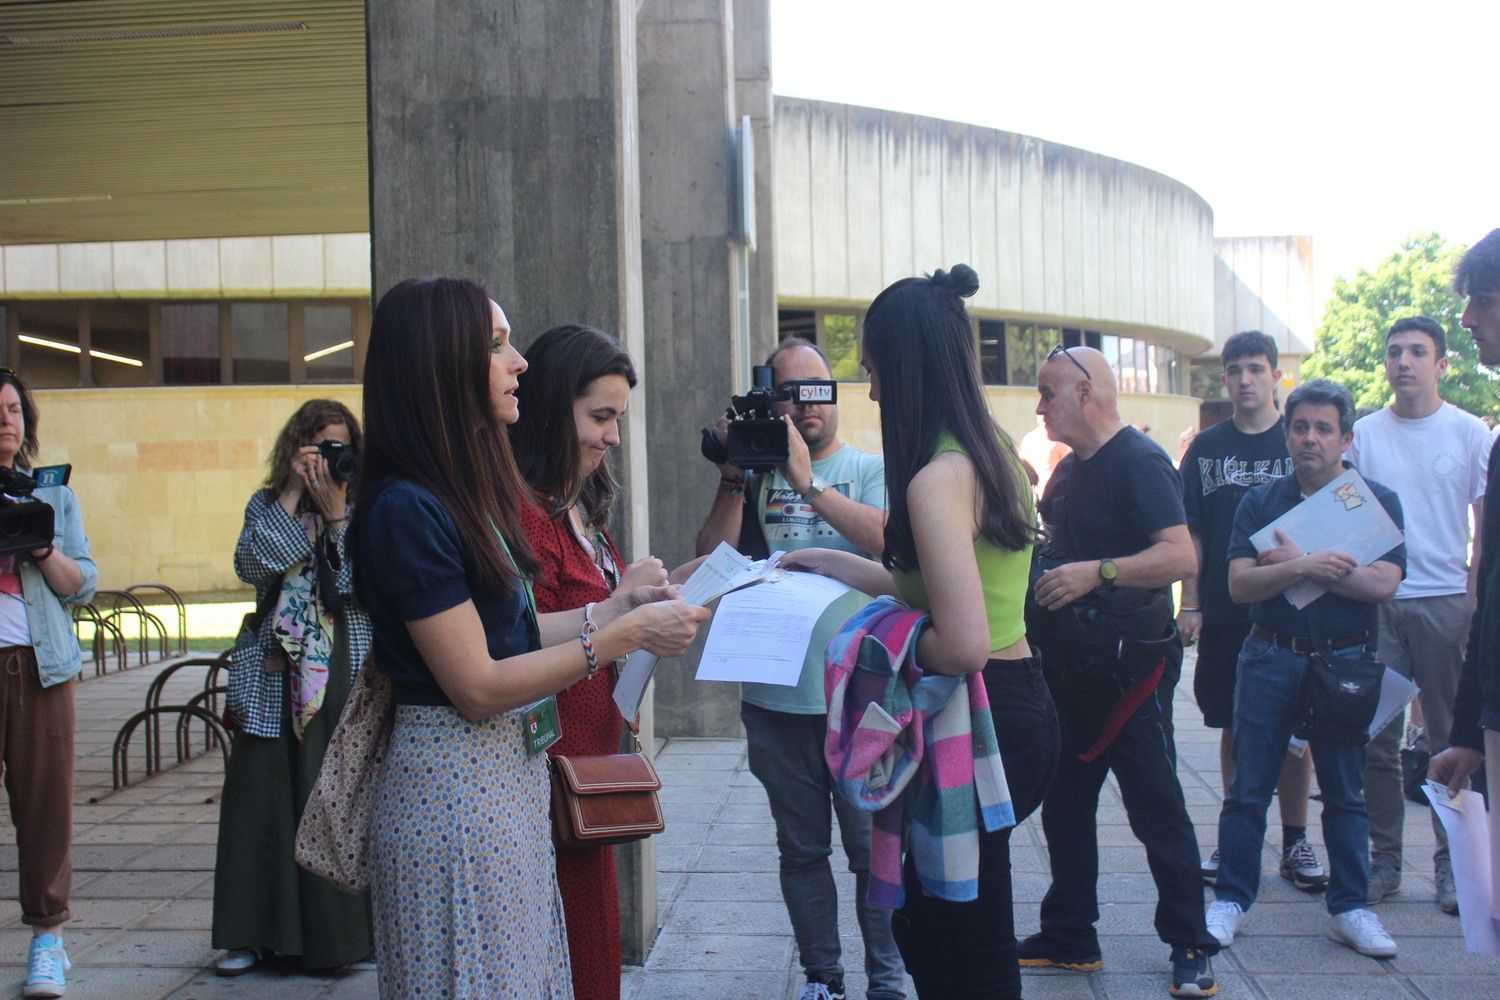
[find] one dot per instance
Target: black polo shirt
(1334, 616)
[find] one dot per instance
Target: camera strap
(752, 542)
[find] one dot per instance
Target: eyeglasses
(1063, 351)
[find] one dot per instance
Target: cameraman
(39, 657)
(291, 671)
(832, 495)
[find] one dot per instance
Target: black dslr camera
(26, 523)
(757, 438)
(341, 460)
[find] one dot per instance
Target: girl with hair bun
(958, 545)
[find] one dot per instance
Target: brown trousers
(36, 738)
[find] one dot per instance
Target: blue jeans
(786, 756)
(1266, 694)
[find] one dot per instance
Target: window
(797, 323)
(1021, 353)
(328, 333)
(120, 343)
(48, 357)
(260, 342)
(190, 343)
(992, 352)
(1072, 338)
(840, 342)
(1092, 338)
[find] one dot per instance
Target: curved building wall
(864, 197)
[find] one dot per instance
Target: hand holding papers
(722, 571)
(1467, 825)
(762, 633)
(1343, 516)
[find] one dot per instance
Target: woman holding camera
(290, 673)
(463, 878)
(575, 390)
(39, 659)
(957, 544)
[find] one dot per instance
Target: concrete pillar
(689, 255)
(752, 96)
(503, 148)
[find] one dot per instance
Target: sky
(1354, 123)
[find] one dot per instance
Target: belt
(1304, 643)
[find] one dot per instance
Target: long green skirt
(262, 899)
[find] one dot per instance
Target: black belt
(1304, 643)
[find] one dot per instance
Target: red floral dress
(568, 578)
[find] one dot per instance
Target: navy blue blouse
(410, 564)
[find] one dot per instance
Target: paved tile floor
(144, 877)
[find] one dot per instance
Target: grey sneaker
(1385, 880)
(1301, 867)
(1447, 895)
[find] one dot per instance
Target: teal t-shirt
(790, 524)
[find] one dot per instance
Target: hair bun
(962, 280)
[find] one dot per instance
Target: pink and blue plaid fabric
(917, 750)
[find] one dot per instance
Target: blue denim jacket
(53, 639)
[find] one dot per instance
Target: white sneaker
(237, 962)
(1362, 931)
(1224, 919)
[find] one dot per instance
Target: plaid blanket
(917, 750)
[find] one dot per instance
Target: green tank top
(1004, 574)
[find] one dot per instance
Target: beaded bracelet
(731, 486)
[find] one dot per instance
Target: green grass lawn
(211, 627)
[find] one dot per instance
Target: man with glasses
(1101, 614)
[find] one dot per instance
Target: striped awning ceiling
(172, 119)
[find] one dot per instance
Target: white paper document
(762, 633)
(722, 571)
(1468, 830)
(1343, 516)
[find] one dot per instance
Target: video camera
(26, 523)
(342, 463)
(757, 439)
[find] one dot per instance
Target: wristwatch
(815, 488)
(1108, 571)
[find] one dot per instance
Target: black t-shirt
(1220, 466)
(1110, 505)
(410, 564)
(1331, 616)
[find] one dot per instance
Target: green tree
(1416, 279)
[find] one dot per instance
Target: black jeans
(1144, 759)
(968, 950)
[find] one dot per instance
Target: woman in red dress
(573, 394)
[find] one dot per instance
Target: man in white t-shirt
(832, 495)
(1435, 457)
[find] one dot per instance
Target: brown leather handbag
(601, 800)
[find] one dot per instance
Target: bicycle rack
(176, 599)
(122, 603)
(121, 758)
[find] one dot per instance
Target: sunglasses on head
(1063, 351)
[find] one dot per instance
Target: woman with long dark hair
(957, 544)
(290, 673)
(39, 661)
(463, 885)
(575, 390)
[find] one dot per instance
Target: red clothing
(567, 578)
